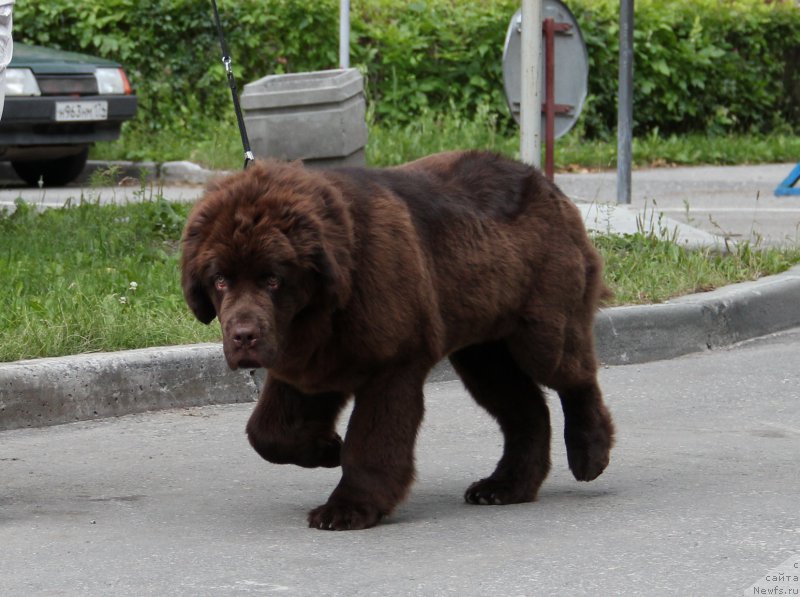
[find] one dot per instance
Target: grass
(92, 277)
(643, 268)
(217, 145)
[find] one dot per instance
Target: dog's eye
(272, 282)
(220, 282)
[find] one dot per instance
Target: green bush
(444, 55)
(701, 65)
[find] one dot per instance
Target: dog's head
(261, 249)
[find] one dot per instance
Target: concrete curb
(697, 322)
(165, 173)
(50, 391)
(41, 392)
(181, 172)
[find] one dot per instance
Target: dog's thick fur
(356, 282)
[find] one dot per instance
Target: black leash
(226, 60)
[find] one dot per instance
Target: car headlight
(112, 81)
(20, 81)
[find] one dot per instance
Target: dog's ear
(191, 277)
(334, 259)
(335, 277)
(197, 299)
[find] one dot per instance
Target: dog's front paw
(308, 451)
(344, 516)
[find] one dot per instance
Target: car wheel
(53, 173)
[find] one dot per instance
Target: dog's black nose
(245, 335)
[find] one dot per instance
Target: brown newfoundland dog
(356, 282)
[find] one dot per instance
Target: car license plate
(75, 111)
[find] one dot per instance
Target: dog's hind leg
(289, 427)
(559, 353)
(588, 427)
(517, 403)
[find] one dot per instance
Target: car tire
(54, 173)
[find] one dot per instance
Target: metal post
(530, 138)
(550, 98)
(344, 33)
(625, 102)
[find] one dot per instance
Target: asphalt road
(701, 498)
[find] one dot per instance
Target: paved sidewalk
(735, 202)
(700, 499)
(705, 204)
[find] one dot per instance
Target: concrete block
(318, 117)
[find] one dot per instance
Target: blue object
(787, 186)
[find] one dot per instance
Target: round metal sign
(571, 66)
